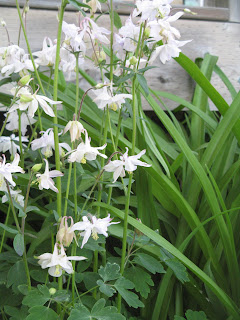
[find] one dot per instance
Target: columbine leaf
(149, 263)
(177, 267)
(106, 288)
(41, 313)
(18, 244)
(117, 20)
(122, 285)
(80, 312)
(110, 272)
(8, 229)
(141, 279)
(34, 298)
(192, 315)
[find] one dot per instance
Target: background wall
(217, 38)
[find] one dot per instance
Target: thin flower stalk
(20, 232)
(125, 223)
(55, 119)
(4, 231)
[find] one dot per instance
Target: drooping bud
(189, 11)
(37, 167)
(75, 128)
(64, 236)
(24, 80)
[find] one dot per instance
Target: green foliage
(192, 315)
(117, 20)
(98, 312)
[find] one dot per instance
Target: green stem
(67, 190)
(55, 119)
(29, 48)
(4, 125)
(20, 138)
(4, 231)
(125, 223)
(111, 41)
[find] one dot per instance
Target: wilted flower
(45, 180)
(6, 169)
(46, 144)
(57, 261)
(94, 4)
(85, 152)
(93, 227)
(65, 235)
(128, 163)
(75, 128)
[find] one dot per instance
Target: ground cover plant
(108, 213)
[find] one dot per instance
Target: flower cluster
(57, 262)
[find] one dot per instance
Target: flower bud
(64, 235)
(147, 32)
(24, 80)
(3, 23)
(37, 167)
(99, 85)
(26, 9)
(52, 291)
(133, 60)
(189, 11)
(75, 128)
(26, 98)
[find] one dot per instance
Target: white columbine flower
(30, 102)
(45, 180)
(130, 33)
(57, 261)
(168, 51)
(90, 29)
(150, 10)
(93, 227)
(12, 122)
(14, 60)
(46, 144)
(128, 163)
(46, 57)
(75, 128)
(8, 144)
(106, 97)
(6, 169)
(85, 152)
(16, 196)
